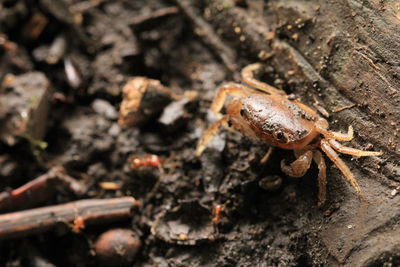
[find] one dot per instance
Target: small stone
(104, 108)
(393, 192)
(117, 247)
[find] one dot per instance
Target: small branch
(40, 190)
(343, 108)
(146, 18)
(82, 212)
(207, 33)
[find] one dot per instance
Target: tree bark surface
(333, 54)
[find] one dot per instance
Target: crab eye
(281, 136)
(242, 112)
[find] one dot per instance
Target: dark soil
(80, 59)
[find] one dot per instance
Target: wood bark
(331, 54)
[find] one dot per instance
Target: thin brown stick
(163, 12)
(74, 214)
(40, 190)
(343, 108)
(209, 36)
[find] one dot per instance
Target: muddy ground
(76, 56)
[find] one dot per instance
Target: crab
(263, 112)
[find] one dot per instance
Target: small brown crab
(268, 114)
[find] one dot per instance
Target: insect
(142, 162)
(261, 111)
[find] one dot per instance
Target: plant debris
(187, 224)
(25, 102)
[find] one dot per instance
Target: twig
(343, 108)
(84, 6)
(207, 33)
(82, 212)
(40, 190)
(320, 108)
(137, 21)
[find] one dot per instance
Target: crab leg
(332, 155)
(234, 89)
(352, 151)
(298, 167)
(319, 160)
(267, 155)
(322, 128)
(209, 134)
(248, 78)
